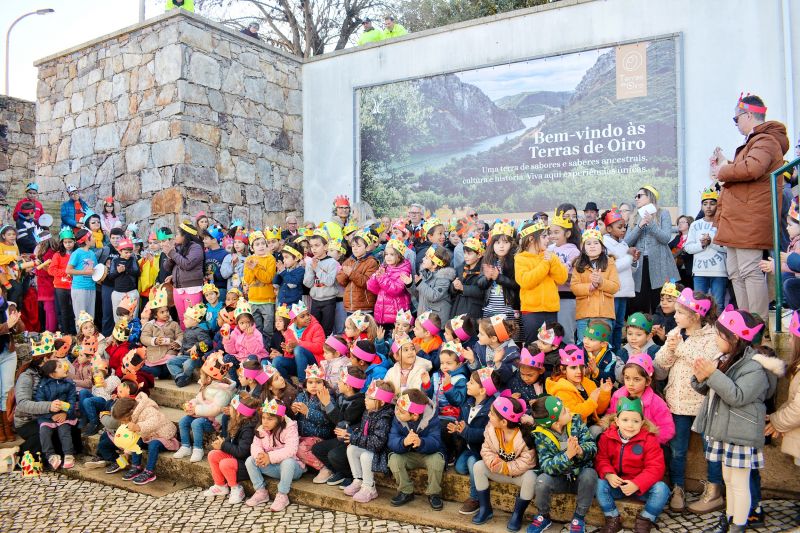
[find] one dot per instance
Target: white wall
(728, 46)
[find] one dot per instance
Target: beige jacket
(787, 419)
(414, 380)
(681, 398)
(160, 354)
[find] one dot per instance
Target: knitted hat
(630, 404)
(639, 320)
(598, 331)
(553, 406)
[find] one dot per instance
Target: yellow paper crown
(195, 312)
(348, 229)
(319, 232)
(242, 306)
(503, 228)
(431, 255)
(670, 289)
(120, 332)
(475, 245)
(158, 299)
(83, 318)
(273, 233)
(283, 311)
(709, 194)
(533, 228)
(335, 245)
(398, 246)
(44, 346)
(210, 287)
(561, 221)
(254, 236)
(430, 224)
(591, 234)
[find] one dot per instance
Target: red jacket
(312, 339)
(44, 280)
(115, 355)
(38, 210)
(145, 380)
(58, 270)
(641, 460)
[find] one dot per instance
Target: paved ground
(56, 503)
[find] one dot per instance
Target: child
(565, 449)
(709, 272)
(213, 307)
(571, 384)
(549, 340)
(215, 394)
(259, 270)
(507, 456)
(564, 242)
(732, 416)
(303, 344)
(124, 271)
(335, 358)
(637, 375)
(289, 275)
(232, 267)
(104, 385)
(433, 282)
(539, 272)
(312, 424)
(410, 371)
(163, 338)
(278, 388)
(367, 451)
(117, 346)
(528, 382)
(387, 283)
(626, 260)
(81, 267)
(253, 379)
(664, 317)
(131, 370)
(360, 325)
(55, 388)
(155, 430)
(462, 329)
(468, 296)
(637, 472)
(320, 278)
(274, 453)
(195, 344)
(786, 420)
(62, 282)
(600, 360)
(354, 274)
(693, 339)
(638, 339)
(426, 337)
(282, 320)
(495, 348)
(433, 231)
(498, 279)
(415, 441)
(363, 356)
(594, 283)
(228, 455)
(481, 388)
(448, 390)
(245, 339)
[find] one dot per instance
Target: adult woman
(625, 211)
(185, 262)
(650, 235)
(8, 362)
(98, 238)
(108, 218)
(683, 260)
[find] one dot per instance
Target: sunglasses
(473, 215)
(736, 118)
(640, 195)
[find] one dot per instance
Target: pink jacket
(153, 423)
(655, 410)
(391, 291)
(240, 345)
(278, 451)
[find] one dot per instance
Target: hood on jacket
(144, 401)
(403, 268)
(773, 365)
(776, 130)
(448, 273)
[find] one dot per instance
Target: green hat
(554, 406)
(163, 235)
(639, 320)
(599, 332)
(628, 404)
(66, 233)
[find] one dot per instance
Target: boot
(515, 522)
(613, 524)
(485, 513)
(4, 436)
(721, 526)
(677, 502)
(642, 525)
(711, 500)
(737, 529)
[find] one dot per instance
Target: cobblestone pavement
(56, 503)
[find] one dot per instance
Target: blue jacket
(455, 394)
(427, 427)
(212, 311)
(68, 212)
(372, 434)
(473, 431)
(373, 372)
(507, 366)
(291, 285)
(315, 423)
(606, 366)
(527, 392)
(56, 389)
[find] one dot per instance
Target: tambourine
(100, 273)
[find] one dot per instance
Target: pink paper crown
(794, 324)
(549, 336)
(485, 377)
(536, 361)
(362, 354)
(504, 405)
(351, 380)
(644, 361)
(379, 394)
(571, 355)
(405, 403)
(457, 325)
(337, 345)
(241, 408)
(256, 374)
(701, 307)
(733, 321)
(750, 108)
(425, 320)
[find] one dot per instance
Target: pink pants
(184, 301)
(305, 455)
(223, 467)
(50, 317)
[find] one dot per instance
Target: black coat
(507, 281)
(372, 434)
(239, 447)
(470, 301)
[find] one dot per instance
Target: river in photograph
(433, 160)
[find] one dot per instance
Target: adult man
(74, 210)
(392, 29)
(291, 228)
(415, 222)
(335, 227)
(252, 30)
(744, 214)
(591, 212)
(370, 33)
(31, 195)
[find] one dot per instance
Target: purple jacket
(655, 410)
(392, 293)
(187, 270)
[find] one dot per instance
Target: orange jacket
(597, 303)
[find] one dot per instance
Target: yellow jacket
(598, 303)
(568, 393)
(148, 266)
(258, 273)
(538, 281)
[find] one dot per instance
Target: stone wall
(17, 152)
(172, 116)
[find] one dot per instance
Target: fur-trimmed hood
(773, 365)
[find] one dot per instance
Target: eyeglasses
(640, 195)
(473, 215)
(736, 118)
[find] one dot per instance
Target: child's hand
(262, 459)
(274, 353)
(216, 443)
(225, 330)
(289, 346)
(629, 488)
(120, 268)
(380, 333)
(614, 480)
(314, 263)
(324, 395)
(527, 419)
(380, 272)
(59, 417)
(300, 407)
(189, 408)
(445, 379)
(347, 269)
(495, 464)
(426, 378)
(417, 278)
(452, 427)
(406, 279)
(457, 285)
(55, 406)
(498, 355)
(766, 266)
(409, 440)
(468, 354)
(673, 340)
(133, 426)
(342, 434)
(226, 410)
(607, 385)
(174, 345)
(703, 368)
(461, 426)
(770, 431)
(573, 448)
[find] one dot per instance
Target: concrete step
(166, 394)
(158, 488)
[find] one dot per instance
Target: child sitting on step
(312, 423)
(61, 393)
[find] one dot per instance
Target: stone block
(104, 88)
(200, 154)
(82, 142)
(140, 210)
(76, 103)
(137, 157)
(231, 193)
(171, 152)
(169, 63)
(197, 177)
(272, 201)
(216, 101)
(204, 70)
(234, 77)
(151, 180)
(195, 37)
(253, 194)
(120, 83)
(255, 89)
(166, 201)
(107, 137)
(245, 172)
(127, 188)
(155, 132)
(131, 135)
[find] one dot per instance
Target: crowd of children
(351, 351)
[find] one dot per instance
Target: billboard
(522, 137)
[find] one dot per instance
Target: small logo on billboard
(631, 71)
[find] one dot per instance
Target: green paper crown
(639, 320)
(630, 404)
(598, 332)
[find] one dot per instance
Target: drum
(100, 273)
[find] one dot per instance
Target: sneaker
(144, 478)
(539, 524)
(69, 461)
(183, 451)
(260, 496)
(353, 487)
(197, 455)
(345, 483)
(323, 476)
(113, 468)
(216, 490)
(756, 518)
(95, 462)
(366, 494)
(335, 479)
(132, 473)
(469, 506)
(280, 503)
(237, 495)
(55, 462)
(578, 525)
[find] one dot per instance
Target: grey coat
(434, 292)
(653, 241)
(24, 389)
(735, 412)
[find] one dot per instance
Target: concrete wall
(729, 46)
(172, 116)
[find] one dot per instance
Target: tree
(302, 27)
(419, 15)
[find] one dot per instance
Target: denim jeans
(620, 306)
(183, 365)
(715, 286)
(198, 427)
(92, 406)
(655, 499)
(296, 366)
(158, 372)
(464, 466)
(106, 449)
(286, 472)
(679, 446)
(83, 394)
(154, 447)
(108, 311)
(791, 292)
(8, 366)
(583, 325)
(64, 432)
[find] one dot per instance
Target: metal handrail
(776, 237)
